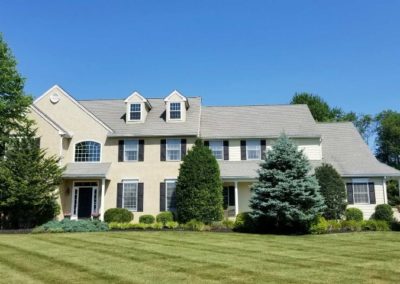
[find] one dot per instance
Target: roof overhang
(86, 171)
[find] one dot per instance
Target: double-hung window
(175, 111)
(253, 150)
(170, 188)
(361, 193)
(217, 148)
(135, 112)
(130, 195)
(173, 149)
(131, 150)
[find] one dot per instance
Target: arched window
(87, 151)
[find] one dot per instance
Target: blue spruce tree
(286, 198)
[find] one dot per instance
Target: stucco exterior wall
(151, 172)
(50, 139)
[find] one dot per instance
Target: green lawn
(138, 257)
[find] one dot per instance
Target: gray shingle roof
(112, 113)
(266, 121)
(343, 148)
(86, 170)
(242, 170)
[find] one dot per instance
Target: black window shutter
(141, 150)
(162, 196)
(140, 197)
(226, 150)
(183, 148)
(231, 196)
(263, 148)
(37, 142)
(120, 150)
(163, 149)
(120, 188)
(371, 188)
(350, 199)
(226, 197)
(207, 143)
(243, 150)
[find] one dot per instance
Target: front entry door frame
(75, 199)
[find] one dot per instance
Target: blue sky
(228, 52)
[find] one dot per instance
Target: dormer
(176, 107)
(137, 108)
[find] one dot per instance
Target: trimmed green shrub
(375, 225)
(165, 217)
(119, 215)
(194, 225)
(158, 226)
(339, 226)
(199, 187)
(320, 227)
(333, 189)
(172, 225)
(351, 226)
(353, 214)
(67, 225)
(147, 219)
(225, 225)
(244, 223)
(383, 212)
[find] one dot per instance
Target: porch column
(236, 199)
(103, 193)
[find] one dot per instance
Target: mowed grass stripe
(54, 266)
(276, 265)
(165, 257)
(204, 270)
(302, 250)
(321, 259)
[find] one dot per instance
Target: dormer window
(137, 108)
(175, 111)
(176, 107)
(135, 112)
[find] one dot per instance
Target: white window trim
(166, 192)
(89, 140)
(180, 150)
(354, 199)
(129, 112)
(223, 149)
(247, 150)
(137, 193)
(137, 149)
(180, 111)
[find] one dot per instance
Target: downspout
(385, 201)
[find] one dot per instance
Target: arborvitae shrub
(199, 187)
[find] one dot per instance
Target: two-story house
(127, 153)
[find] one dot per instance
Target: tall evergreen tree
(333, 190)
(13, 101)
(28, 179)
(285, 198)
(199, 187)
